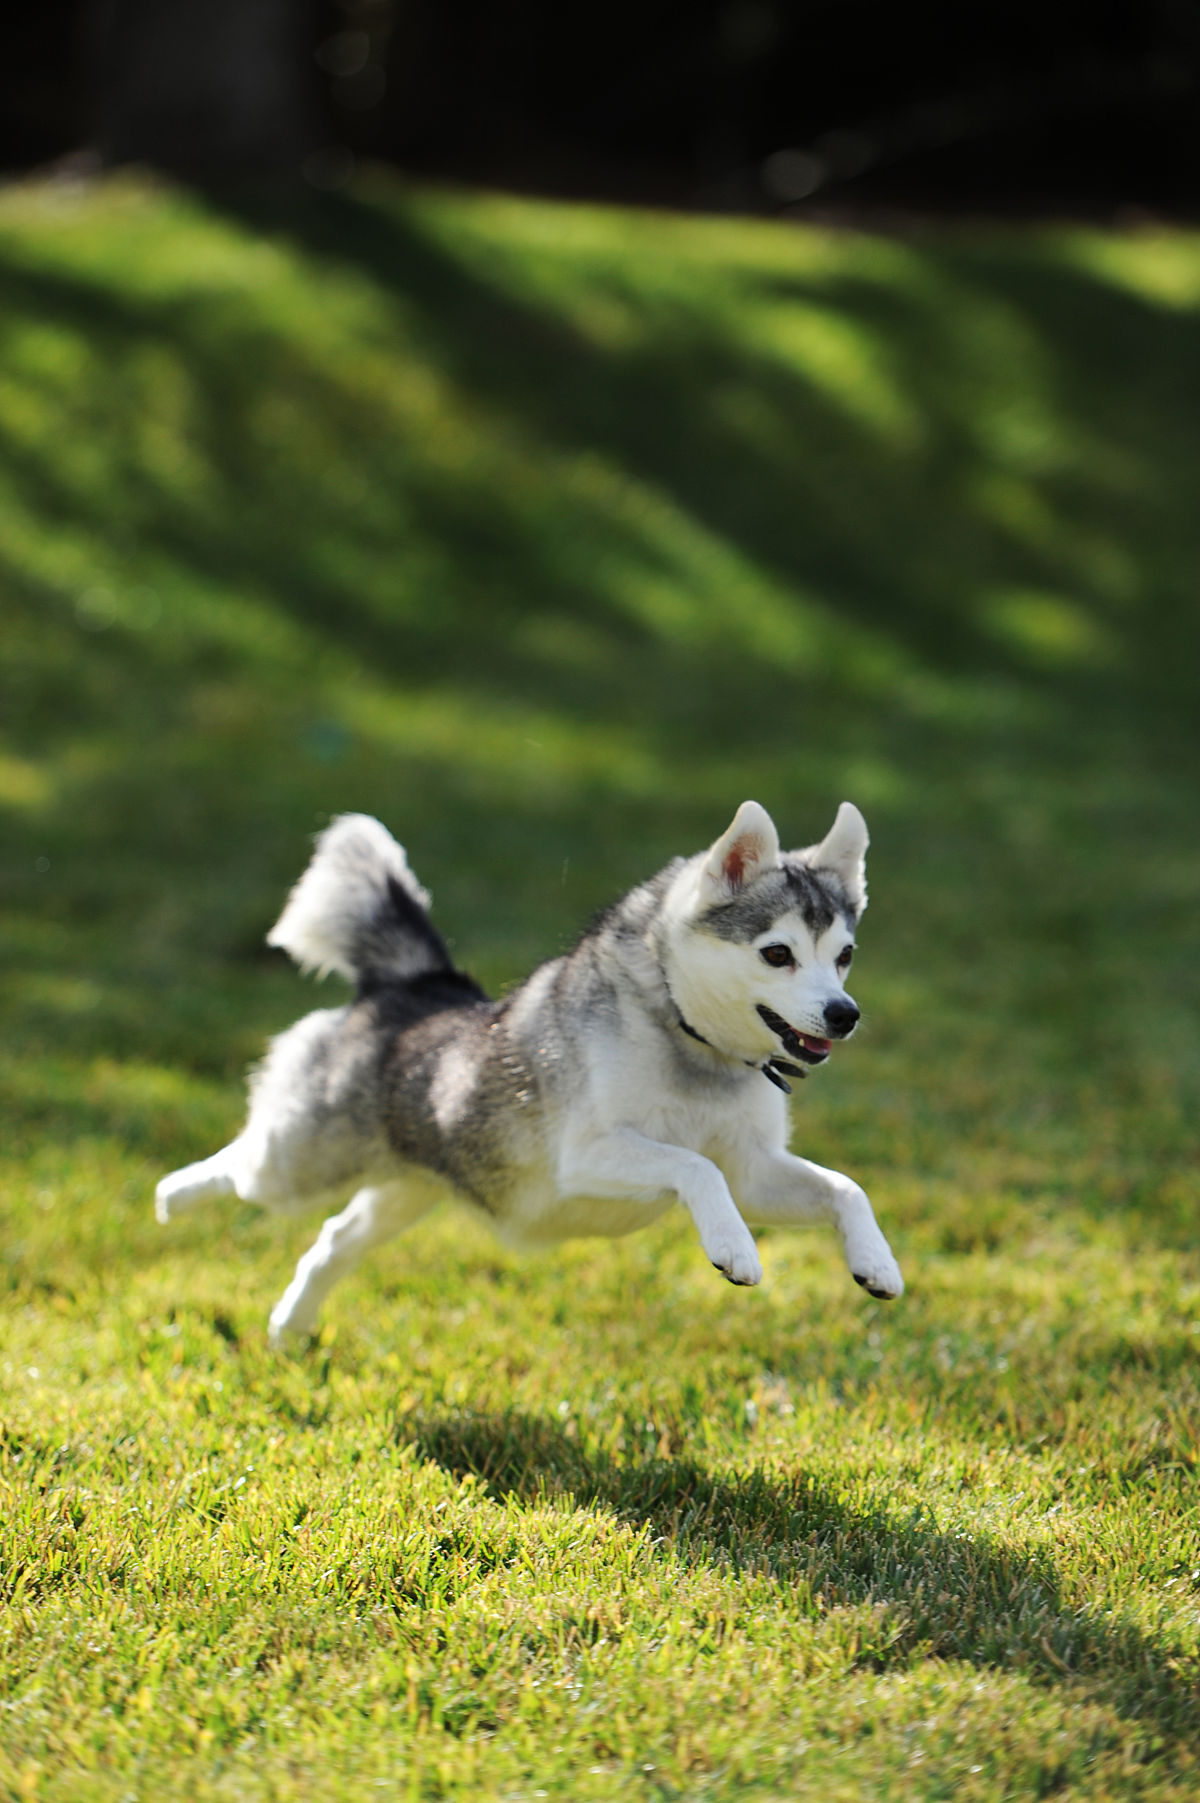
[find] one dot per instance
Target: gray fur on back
(466, 1084)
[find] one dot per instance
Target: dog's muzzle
(805, 1046)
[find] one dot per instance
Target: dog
(645, 1067)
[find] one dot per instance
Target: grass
(548, 534)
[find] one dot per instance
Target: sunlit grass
(548, 534)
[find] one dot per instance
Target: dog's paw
(881, 1278)
(166, 1198)
(741, 1265)
(288, 1332)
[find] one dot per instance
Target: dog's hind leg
(200, 1182)
(269, 1171)
(371, 1217)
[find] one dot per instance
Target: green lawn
(548, 534)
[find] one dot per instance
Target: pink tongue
(816, 1045)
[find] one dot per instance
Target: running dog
(645, 1067)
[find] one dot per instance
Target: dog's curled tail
(358, 909)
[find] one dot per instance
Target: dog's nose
(841, 1016)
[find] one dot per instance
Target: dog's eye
(844, 957)
(778, 956)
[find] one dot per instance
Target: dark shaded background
(750, 105)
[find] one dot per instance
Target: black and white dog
(645, 1067)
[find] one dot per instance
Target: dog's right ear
(844, 851)
(748, 847)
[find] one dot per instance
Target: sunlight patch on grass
(541, 752)
(847, 364)
(23, 783)
(1051, 630)
(1160, 267)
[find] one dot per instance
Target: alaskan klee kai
(645, 1067)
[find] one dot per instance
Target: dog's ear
(748, 847)
(843, 850)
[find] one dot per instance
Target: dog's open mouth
(797, 1045)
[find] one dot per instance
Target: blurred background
(751, 105)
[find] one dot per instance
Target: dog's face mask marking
(764, 939)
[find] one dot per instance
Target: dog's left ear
(844, 851)
(747, 847)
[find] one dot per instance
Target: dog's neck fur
(772, 1070)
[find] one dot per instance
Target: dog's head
(759, 940)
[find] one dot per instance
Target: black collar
(773, 1070)
(691, 1031)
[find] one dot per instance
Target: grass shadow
(931, 1594)
(1033, 397)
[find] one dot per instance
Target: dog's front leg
(628, 1164)
(780, 1190)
